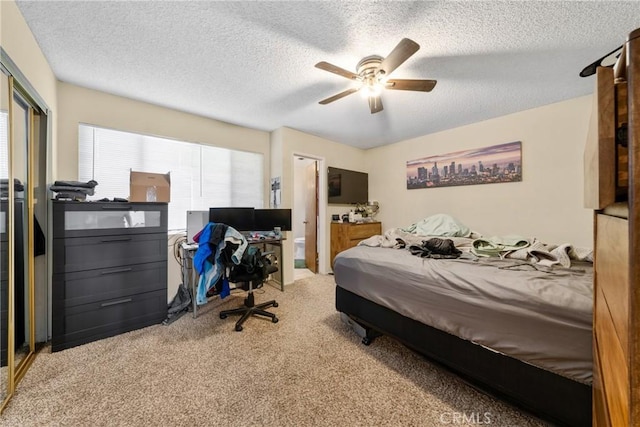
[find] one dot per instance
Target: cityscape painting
(488, 165)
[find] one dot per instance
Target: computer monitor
(242, 219)
(196, 221)
(268, 219)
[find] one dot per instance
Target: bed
(558, 392)
(520, 331)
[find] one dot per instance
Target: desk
(190, 277)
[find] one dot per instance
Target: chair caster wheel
(223, 316)
(238, 328)
(275, 304)
(366, 341)
(274, 320)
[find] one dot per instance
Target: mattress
(539, 315)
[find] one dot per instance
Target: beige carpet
(307, 370)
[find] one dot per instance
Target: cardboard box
(149, 187)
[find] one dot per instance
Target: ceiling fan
(372, 75)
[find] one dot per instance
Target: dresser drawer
(4, 338)
(4, 298)
(83, 287)
(348, 235)
(84, 219)
(88, 322)
(4, 259)
(89, 253)
(363, 231)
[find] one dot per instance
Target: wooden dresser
(347, 235)
(612, 190)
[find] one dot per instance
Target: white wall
(547, 204)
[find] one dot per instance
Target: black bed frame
(546, 395)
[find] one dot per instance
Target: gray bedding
(539, 315)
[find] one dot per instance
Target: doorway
(305, 216)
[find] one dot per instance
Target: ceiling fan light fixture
(372, 76)
(371, 88)
(382, 77)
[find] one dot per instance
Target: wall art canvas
(276, 193)
(488, 165)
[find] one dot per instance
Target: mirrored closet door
(4, 238)
(23, 166)
(20, 129)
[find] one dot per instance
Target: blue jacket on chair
(207, 262)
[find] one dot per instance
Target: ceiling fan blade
(405, 84)
(336, 70)
(375, 104)
(399, 54)
(338, 96)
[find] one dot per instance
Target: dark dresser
(109, 269)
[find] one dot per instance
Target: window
(202, 176)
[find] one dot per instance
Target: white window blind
(201, 176)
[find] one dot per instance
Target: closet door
(23, 135)
(21, 128)
(4, 238)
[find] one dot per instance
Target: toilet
(299, 247)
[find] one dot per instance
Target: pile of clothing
(436, 248)
(532, 251)
(212, 240)
(4, 187)
(73, 190)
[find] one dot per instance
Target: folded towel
(71, 195)
(88, 184)
(17, 185)
(85, 190)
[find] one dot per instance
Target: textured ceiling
(251, 63)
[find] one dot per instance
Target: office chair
(253, 270)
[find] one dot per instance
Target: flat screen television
(242, 219)
(347, 187)
(268, 219)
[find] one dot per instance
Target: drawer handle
(116, 208)
(117, 239)
(117, 270)
(122, 301)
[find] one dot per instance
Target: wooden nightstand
(347, 235)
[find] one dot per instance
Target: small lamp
(373, 206)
